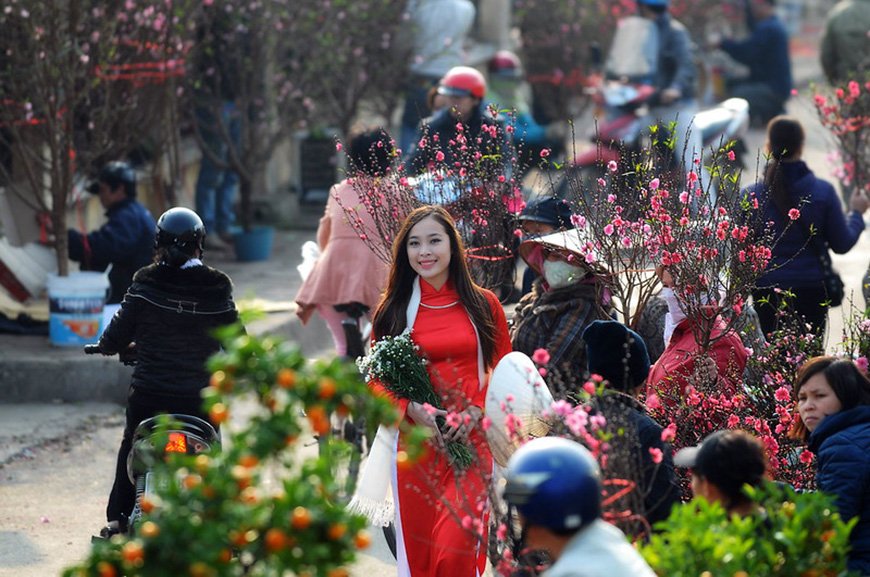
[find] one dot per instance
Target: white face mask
(559, 273)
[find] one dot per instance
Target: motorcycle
(623, 93)
(622, 137)
(154, 440)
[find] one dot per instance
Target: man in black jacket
(125, 241)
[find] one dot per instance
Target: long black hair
(390, 316)
(785, 142)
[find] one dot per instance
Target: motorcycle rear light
(177, 443)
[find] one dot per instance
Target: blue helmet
(554, 483)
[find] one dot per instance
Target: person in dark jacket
(765, 52)
(464, 88)
(125, 241)
(789, 185)
(169, 313)
(722, 464)
(619, 356)
(833, 401)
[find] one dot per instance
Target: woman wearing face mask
(833, 402)
(684, 363)
(567, 296)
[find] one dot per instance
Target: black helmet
(115, 174)
(180, 228)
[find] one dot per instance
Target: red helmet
(463, 81)
(505, 63)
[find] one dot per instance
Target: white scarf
(372, 498)
(675, 314)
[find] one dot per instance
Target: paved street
(56, 459)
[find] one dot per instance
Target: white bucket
(76, 308)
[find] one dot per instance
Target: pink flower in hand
(656, 455)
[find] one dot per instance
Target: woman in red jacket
(462, 332)
(684, 366)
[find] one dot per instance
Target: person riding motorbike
(554, 486)
(674, 76)
(463, 157)
(169, 313)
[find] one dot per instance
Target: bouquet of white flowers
(396, 363)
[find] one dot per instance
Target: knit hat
(549, 210)
(617, 353)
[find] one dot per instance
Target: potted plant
(227, 507)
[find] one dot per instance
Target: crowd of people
(552, 485)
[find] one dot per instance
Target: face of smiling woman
(428, 247)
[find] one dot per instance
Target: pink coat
(347, 270)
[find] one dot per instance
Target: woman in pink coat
(348, 271)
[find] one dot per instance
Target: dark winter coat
(676, 61)
(441, 129)
(765, 52)
(554, 320)
(841, 443)
(126, 242)
(629, 457)
(795, 262)
(170, 313)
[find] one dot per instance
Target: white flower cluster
(389, 356)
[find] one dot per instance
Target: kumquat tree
(259, 506)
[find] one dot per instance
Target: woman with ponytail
(807, 212)
(169, 314)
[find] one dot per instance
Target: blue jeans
(216, 184)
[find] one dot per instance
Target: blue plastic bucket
(76, 308)
(255, 244)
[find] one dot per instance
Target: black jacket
(629, 458)
(170, 313)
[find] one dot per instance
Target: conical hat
(516, 378)
(565, 241)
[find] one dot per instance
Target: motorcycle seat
(716, 120)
